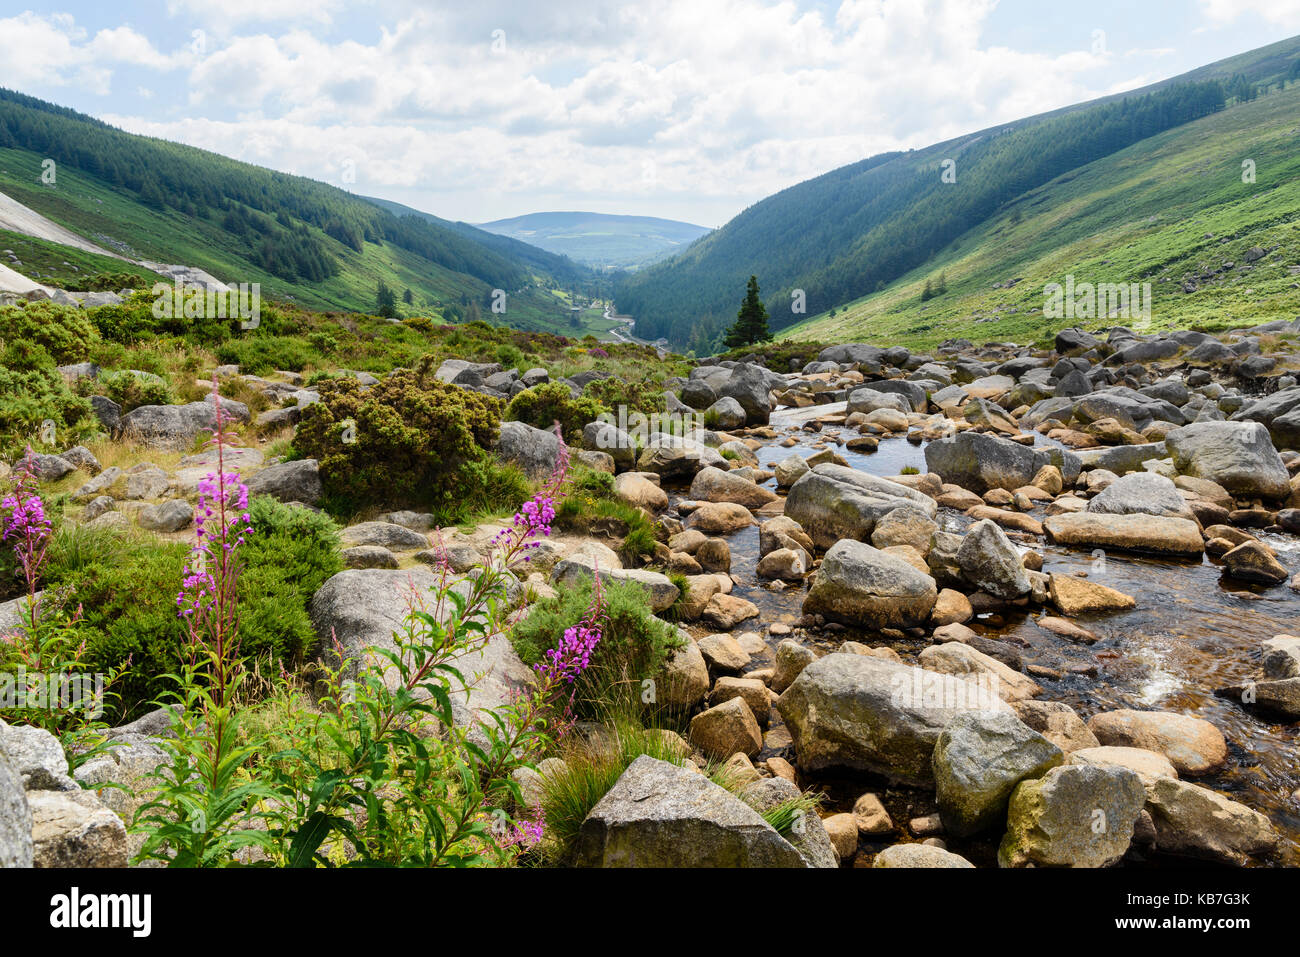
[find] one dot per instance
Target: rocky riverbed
(1001, 606)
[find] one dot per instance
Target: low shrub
(641, 395)
(32, 394)
(634, 647)
(131, 391)
(62, 331)
(261, 355)
(127, 585)
(544, 405)
(405, 441)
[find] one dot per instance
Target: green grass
(54, 264)
(1141, 215)
(593, 768)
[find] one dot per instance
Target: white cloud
(52, 50)
(722, 101)
(1284, 13)
(236, 12)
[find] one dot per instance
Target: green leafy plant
(634, 647)
(404, 441)
(544, 405)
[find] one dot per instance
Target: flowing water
(1191, 633)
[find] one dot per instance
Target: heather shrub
(634, 647)
(62, 331)
(641, 395)
(544, 405)
(260, 355)
(405, 441)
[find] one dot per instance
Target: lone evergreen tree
(385, 301)
(751, 320)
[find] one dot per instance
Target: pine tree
(385, 301)
(751, 320)
(928, 292)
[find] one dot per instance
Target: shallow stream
(1191, 633)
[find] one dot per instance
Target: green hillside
(1171, 210)
(862, 229)
(601, 240)
(304, 241)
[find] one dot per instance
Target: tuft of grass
(591, 769)
(787, 817)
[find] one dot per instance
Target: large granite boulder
(1237, 455)
(863, 713)
(177, 427)
(296, 481)
(535, 451)
(978, 462)
(1141, 493)
(861, 585)
(1161, 535)
(833, 502)
(15, 818)
(1193, 821)
(1074, 816)
(751, 386)
(979, 759)
(363, 608)
(990, 562)
(660, 815)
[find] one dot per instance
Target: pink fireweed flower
(213, 544)
(25, 525)
(525, 833)
(572, 654)
(536, 516)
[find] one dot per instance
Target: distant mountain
(598, 239)
(858, 230)
(150, 199)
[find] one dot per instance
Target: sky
(686, 109)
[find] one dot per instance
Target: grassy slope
(57, 265)
(1140, 215)
(116, 220)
